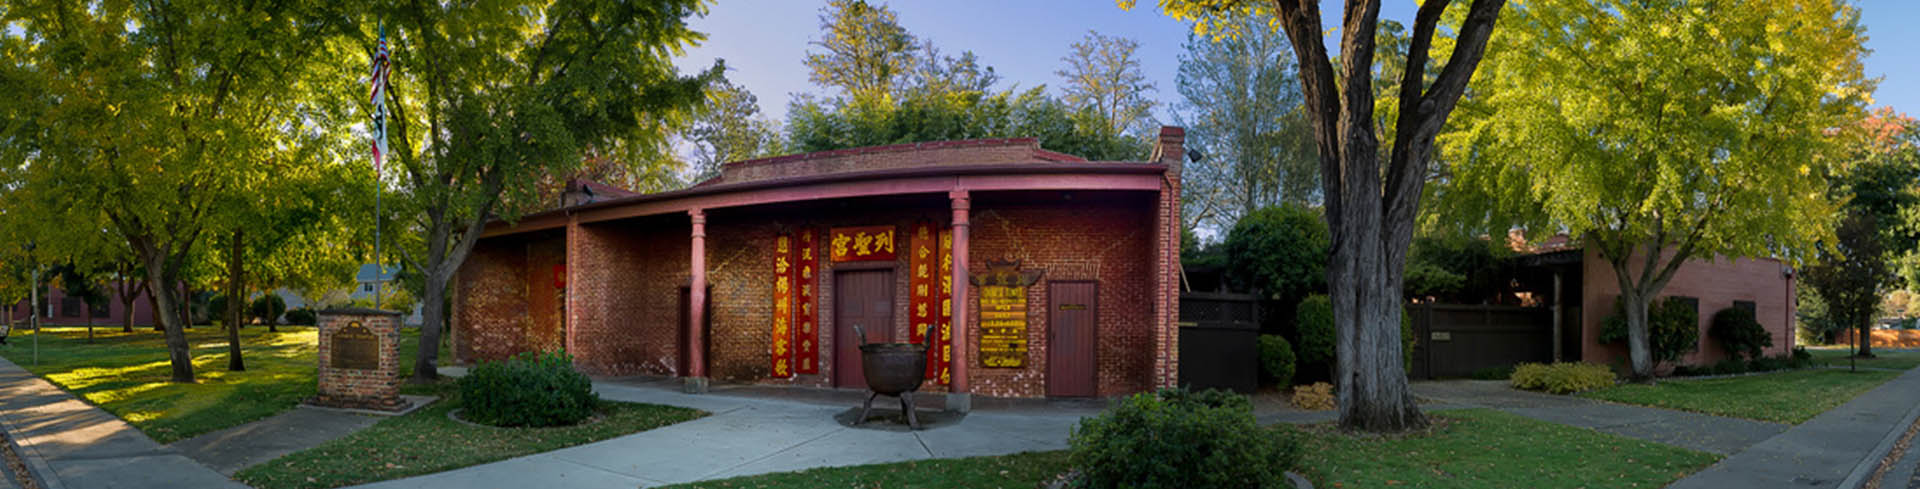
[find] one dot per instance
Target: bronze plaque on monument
(355, 347)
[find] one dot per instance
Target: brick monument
(359, 360)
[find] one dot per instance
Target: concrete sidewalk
(750, 434)
(70, 444)
(1837, 449)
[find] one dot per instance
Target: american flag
(378, 91)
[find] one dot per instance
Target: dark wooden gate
(1072, 315)
(1218, 341)
(861, 298)
(1457, 340)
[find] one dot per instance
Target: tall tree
(487, 98)
(864, 50)
(730, 128)
(1103, 74)
(1660, 132)
(1370, 207)
(1877, 179)
(1242, 110)
(147, 112)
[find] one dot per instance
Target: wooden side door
(1073, 311)
(863, 298)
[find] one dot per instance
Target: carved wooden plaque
(355, 347)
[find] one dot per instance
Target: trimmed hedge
(1740, 333)
(1673, 327)
(1561, 378)
(303, 316)
(528, 390)
(1276, 359)
(1180, 439)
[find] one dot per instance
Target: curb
(1865, 468)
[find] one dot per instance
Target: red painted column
(696, 374)
(960, 394)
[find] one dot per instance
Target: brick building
(1063, 272)
(60, 309)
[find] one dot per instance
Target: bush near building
(1180, 439)
(530, 389)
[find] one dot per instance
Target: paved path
(748, 434)
(229, 450)
(1707, 433)
(73, 445)
(1836, 449)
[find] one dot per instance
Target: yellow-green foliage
(1561, 378)
(1316, 397)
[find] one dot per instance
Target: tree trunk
(433, 310)
(236, 287)
(153, 306)
(186, 306)
(1863, 336)
(126, 304)
(1639, 336)
(178, 352)
(88, 303)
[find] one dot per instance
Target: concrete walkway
(70, 444)
(1707, 433)
(229, 450)
(749, 434)
(1837, 449)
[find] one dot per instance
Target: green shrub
(1740, 333)
(1561, 378)
(268, 308)
(303, 316)
(1276, 359)
(1673, 327)
(217, 308)
(1279, 250)
(1730, 366)
(1492, 373)
(1314, 320)
(527, 390)
(1800, 354)
(1179, 439)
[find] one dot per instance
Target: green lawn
(1017, 471)
(1786, 397)
(127, 374)
(426, 441)
(1471, 449)
(1903, 360)
(1478, 448)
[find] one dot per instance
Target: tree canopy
(1666, 130)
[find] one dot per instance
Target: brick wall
(491, 301)
(626, 295)
(1104, 239)
(1716, 283)
(377, 388)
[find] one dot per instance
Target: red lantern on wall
(560, 276)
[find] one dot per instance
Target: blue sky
(763, 41)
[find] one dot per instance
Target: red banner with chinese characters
(944, 343)
(782, 345)
(865, 243)
(923, 304)
(807, 357)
